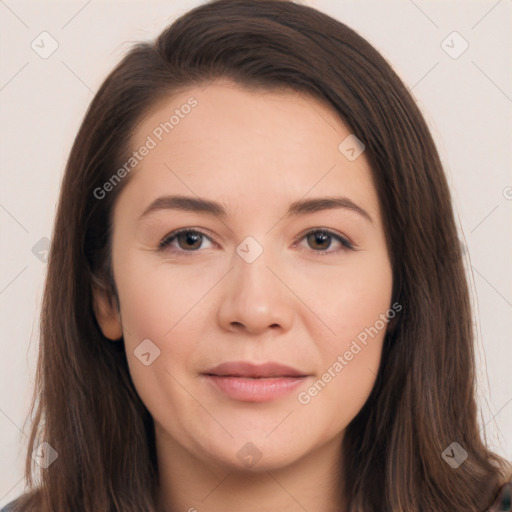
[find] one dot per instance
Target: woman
(255, 296)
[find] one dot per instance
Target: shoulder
(503, 501)
(15, 505)
(9, 506)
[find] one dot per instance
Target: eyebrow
(300, 207)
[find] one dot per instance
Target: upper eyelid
(173, 234)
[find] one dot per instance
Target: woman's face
(255, 338)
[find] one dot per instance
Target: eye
(322, 239)
(190, 240)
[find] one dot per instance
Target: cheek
(354, 306)
(163, 313)
(159, 321)
(346, 299)
(157, 298)
(335, 398)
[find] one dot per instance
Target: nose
(255, 298)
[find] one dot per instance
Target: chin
(257, 452)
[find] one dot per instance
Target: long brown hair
(85, 404)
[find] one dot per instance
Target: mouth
(248, 382)
(254, 371)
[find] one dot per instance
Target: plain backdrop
(455, 56)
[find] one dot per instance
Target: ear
(107, 314)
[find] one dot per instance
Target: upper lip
(249, 370)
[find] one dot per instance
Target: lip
(249, 370)
(249, 382)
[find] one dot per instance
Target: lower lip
(255, 390)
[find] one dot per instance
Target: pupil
(191, 238)
(321, 238)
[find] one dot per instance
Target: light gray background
(467, 102)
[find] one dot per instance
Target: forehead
(223, 139)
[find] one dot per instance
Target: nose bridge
(255, 298)
(251, 267)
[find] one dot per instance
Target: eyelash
(345, 244)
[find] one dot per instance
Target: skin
(255, 153)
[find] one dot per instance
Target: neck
(190, 484)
